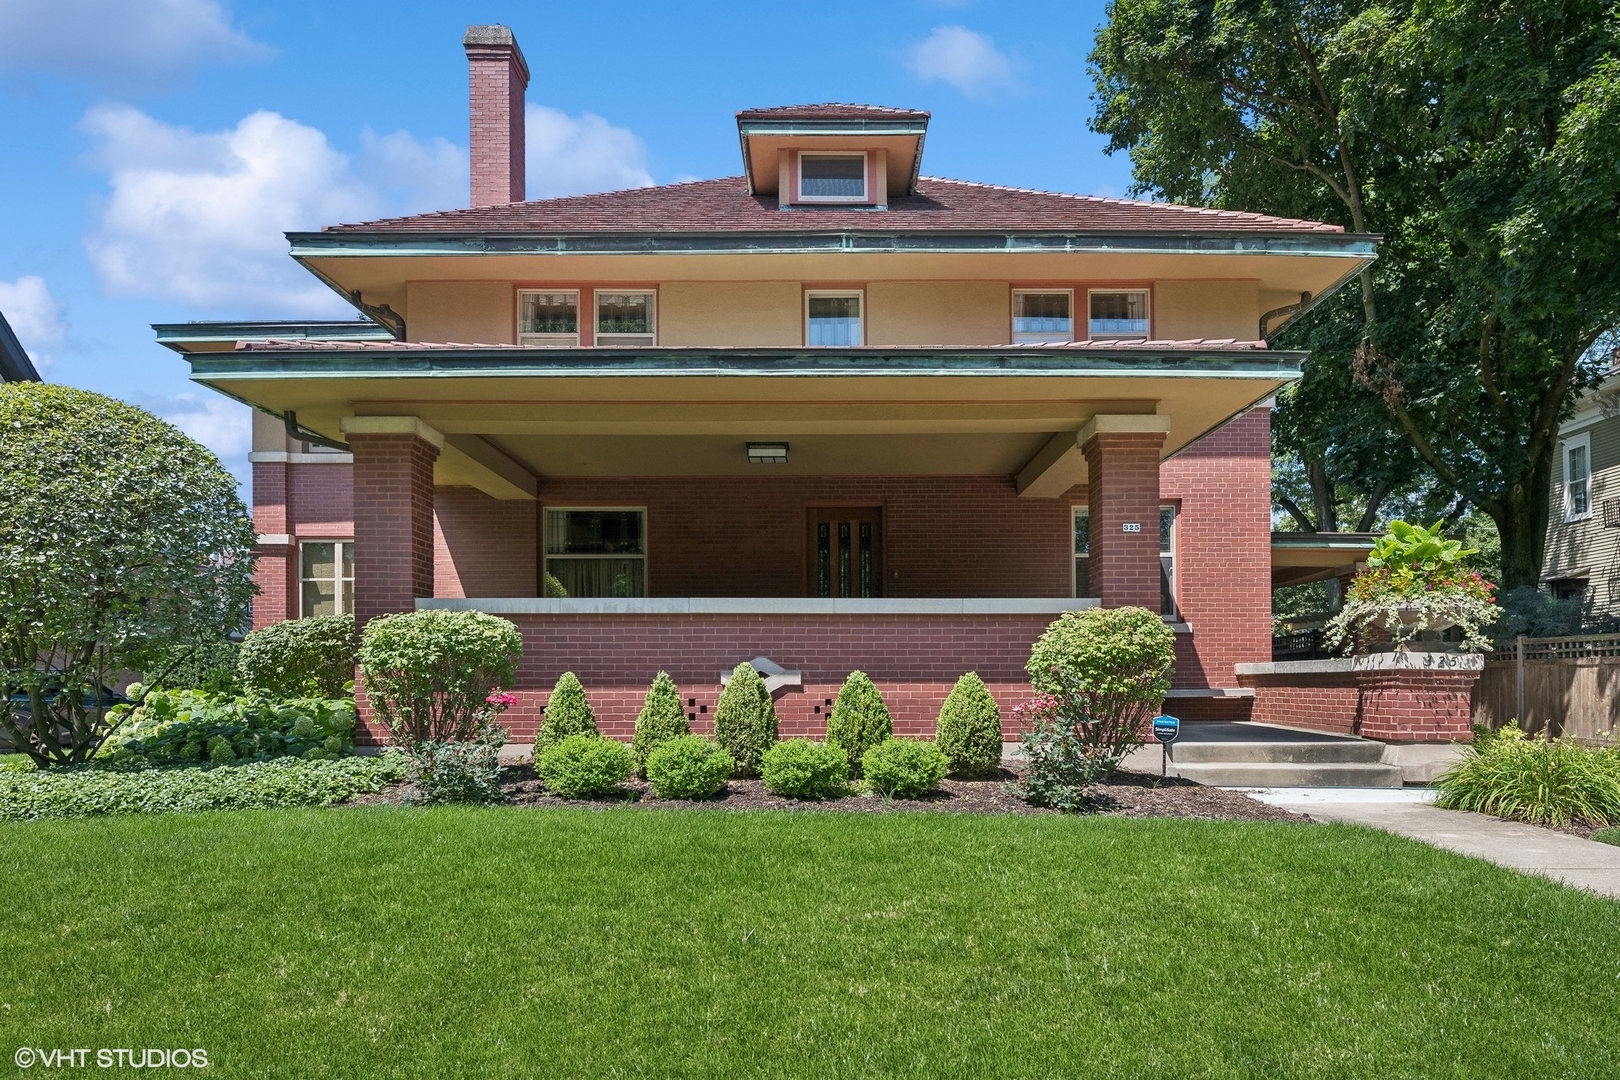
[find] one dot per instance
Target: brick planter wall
(1393, 697)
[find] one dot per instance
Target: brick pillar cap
(1124, 424)
(391, 425)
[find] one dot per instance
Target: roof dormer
(832, 155)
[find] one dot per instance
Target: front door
(846, 551)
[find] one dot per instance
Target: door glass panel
(823, 559)
(843, 558)
(866, 559)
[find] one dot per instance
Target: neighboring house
(1582, 559)
(830, 412)
(15, 366)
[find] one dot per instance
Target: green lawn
(467, 942)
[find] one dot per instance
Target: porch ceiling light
(767, 453)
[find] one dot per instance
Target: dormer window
(832, 178)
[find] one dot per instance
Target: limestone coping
(767, 605)
(391, 425)
(1414, 660)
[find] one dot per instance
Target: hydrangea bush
(428, 673)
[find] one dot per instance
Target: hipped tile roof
(832, 110)
(724, 205)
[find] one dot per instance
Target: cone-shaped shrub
(661, 719)
(969, 729)
(859, 719)
(745, 719)
(567, 713)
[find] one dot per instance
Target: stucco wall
(478, 312)
(938, 313)
(1206, 309)
(721, 313)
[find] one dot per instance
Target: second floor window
(1042, 317)
(1577, 477)
(832, 177)
(626, 318)
(548, 318)
(833, 318)
(1118, 315)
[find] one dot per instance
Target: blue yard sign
(1166, 728)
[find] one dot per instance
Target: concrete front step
(1351, 751)
(1265, 774)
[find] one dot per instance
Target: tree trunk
(1521, 522)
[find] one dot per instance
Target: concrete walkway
(1584, 864)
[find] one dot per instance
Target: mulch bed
(1125, 795)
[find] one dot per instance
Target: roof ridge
(1112, 200)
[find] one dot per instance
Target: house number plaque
(1131, 526)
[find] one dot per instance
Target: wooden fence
(1569, 685)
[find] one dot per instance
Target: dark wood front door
(846, 551)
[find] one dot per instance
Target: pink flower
(501, 699)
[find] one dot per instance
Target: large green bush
(745, 719)
(688, 767)
(802, 769)
(969, 728)
(94, 790)
(188, 726)
(429, 674)
(584, 766)
(568, 712)
(1546, 782)
(120, 540)
(859, 719)
(661, 719)
(1105, 672)
(904, 768)
(311, 657)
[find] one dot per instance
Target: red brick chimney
(499, 77)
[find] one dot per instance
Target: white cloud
(222, 425)
(961, 58)
(144, 44)
(575, 156)
(198, 217)
(35, 316)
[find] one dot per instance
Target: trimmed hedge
(904, 768)
(311, 657)
(859, 719)
(661, 719)
(188, 726)
(98, 790)
(568, 712)
(688, 767)
(745, 719)
(969, 729)
(583, 766)
(802, 769)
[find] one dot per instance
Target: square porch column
(393, 512)
(1122, 484)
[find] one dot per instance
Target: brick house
(830, 412)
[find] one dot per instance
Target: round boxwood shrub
(688, 767)
(429, 673)
(311, 657)
(584, 766)
(745, 719)
(661, 719)
(859, 719)
(969, 728)
(801, 769)
(567, 713)
(1104, 673)
(904, 768)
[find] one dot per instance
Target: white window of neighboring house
(832, 178)
(596, 551)
(1578, 477)
(326, 577)
(1167, 561)
(1118, 314)
(1082, 551)
(548, 318)
(832, 318)
(626, 318)
(1043, 316)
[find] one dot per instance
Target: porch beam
(474, 461)
(1061, 463)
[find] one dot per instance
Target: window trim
(847, 200)
(1013, 311)
(645, 556)
(559, 342)
(860, 294)
(599, 338)
(1583, 441)
(1147, 301)
(337, 565)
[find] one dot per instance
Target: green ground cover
(505, 942)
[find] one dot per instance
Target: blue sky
(155, 150)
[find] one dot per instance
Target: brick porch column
(393, 512)
(1122, 482)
